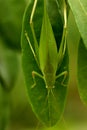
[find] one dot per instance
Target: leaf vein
(82, 7)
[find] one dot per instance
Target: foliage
(79, 9)
(11, 13)
(49, 113)
(38, 94)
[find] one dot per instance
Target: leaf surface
(8, 67)
(82, 71)
(11, 13)
(79, 9)
(48, 113)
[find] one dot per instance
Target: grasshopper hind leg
(34, 50)
(30, 45)
(32, 28)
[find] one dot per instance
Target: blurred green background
(15, 111)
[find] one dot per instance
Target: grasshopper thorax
(49, 80)
(49, 76)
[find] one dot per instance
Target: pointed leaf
(11, 13)
(8, 67)
(82, 71)
(48, 113)
(79, 9)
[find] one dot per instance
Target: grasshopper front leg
(65, 73)
(34, 73)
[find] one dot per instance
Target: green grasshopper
(46, 54)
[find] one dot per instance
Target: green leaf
(4, 108)
(79, 9)
(8, 67)
(82, 71)
(48, 113)
(11, 13)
